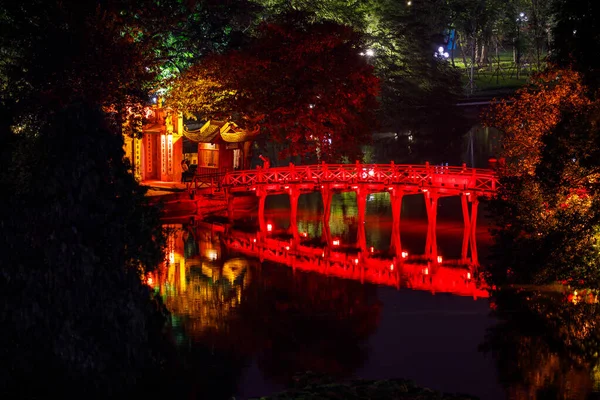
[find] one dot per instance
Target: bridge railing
(481, 180)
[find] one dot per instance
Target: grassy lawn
(500, 73)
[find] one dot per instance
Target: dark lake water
(246, 327)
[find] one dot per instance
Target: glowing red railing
(483, 182)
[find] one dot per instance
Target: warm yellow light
(439, 259)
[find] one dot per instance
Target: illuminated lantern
(269, 227)
(439, 259)
(336, 242)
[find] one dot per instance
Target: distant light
(440, 49)
(154, 99)
(439, 259)
(370, 53)
(426, 271)
(287, 247)
(391, 267)
(372, 249)
(404, 254)
(269, 227)
(409, 3)
(468, 275)
(356, 261)
(446, 55)
(254, 240)
(336, 242)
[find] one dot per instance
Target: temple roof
(214, 131)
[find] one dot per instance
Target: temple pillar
(474, 206)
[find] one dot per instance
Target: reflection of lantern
(211, 254)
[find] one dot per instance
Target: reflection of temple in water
(195, 284)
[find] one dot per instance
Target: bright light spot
(446, 54)
(390, 188)
(287, 247)
(424, 190)
(370, 53)
(329, 140)
(426, 271)
(391, 267)
(311, 106)
(304, 234)
(356, 261)
(371, 172)
(409, 3)
(371, 197)
(323, 254)
(439, 259)
(254, 240)
(171, 257)
(468, 275)
(269, 227)
(440, 49)
(404, 254)
(336, 242)
(372, 249)
(211, 254)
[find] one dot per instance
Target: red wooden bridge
(433, 182)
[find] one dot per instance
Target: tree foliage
(302, 85)
(547, 208)
(76, 228)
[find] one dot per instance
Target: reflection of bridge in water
(407, 271)
(432, 182)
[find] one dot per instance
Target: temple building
(209, 146)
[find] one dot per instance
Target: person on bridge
(266, 161)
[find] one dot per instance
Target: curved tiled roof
(214, 131)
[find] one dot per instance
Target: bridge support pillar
(262, 197)
(469, 235)
(326, 195)
(431, 201)
(361, 203)
(230, 208)
(396, 203)
(294, 196)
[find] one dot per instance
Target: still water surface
(245, 327)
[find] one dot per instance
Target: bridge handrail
(478, 179)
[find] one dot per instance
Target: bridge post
(474, 205)
(431, 200)
(326, 196)
(396, 203)
(361, 202)
(294, 195)
(230, 209)
(262, 197)
(470, 222)
(467, 230)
